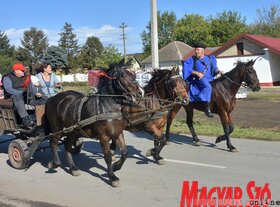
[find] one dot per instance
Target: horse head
(123, 82)
(171, 83)
(250, 76)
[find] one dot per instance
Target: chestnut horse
(75, 115)
(222, 103)
(165, 88)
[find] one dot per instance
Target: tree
(225, 26)
(5, 48)
(34, 44)
(90, 51)
(109, 57)
(268, 23)
(166, 24)
(7, 58)
(56, 56)
(69, 42)
(193, 28)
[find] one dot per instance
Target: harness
(195, 59)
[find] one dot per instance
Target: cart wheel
(77, 146)
(18, 154)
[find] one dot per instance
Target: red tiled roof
(273, 44)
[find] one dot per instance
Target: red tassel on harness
(94, 75)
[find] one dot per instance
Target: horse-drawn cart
(25, 141)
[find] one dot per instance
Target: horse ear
(252, 62)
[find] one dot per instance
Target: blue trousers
(200, 90)
(18, 101)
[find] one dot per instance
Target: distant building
(169, 56)
(247, 47)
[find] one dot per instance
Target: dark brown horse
(74, 115)
(224, 90)
(163, 90)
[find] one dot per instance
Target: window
(240, 50)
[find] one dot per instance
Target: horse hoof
(198, 143)
(114, 158)
(218, 140)
(75, 172)
(116, 183)
(234, 150)
(161, 162)
(52, 165)
(149, 153)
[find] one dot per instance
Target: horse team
(121, 104)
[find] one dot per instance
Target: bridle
(116, 82)
(174, 93)
(243, 84)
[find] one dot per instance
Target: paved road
(143, 183)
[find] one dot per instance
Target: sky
(102, 18)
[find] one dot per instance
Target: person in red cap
(16, 84)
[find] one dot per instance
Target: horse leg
(189, 118)
(159, 142)
(68, 145)
(121, 144)
(171, 115)
(113, 147)
(54, 147)
(228, 129)
(104, 142)
(158, 145)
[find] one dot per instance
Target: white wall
(78, 77)
(261, 66)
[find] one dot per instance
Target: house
(169, 56)
(247, 47)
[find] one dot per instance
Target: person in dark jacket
(16, 84)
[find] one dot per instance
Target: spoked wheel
(18, 154)
(77, 146)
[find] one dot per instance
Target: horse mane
(157, 75)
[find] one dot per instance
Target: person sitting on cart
(16, 84)
(47, 80)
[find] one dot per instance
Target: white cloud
(107, 34)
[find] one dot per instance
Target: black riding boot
(207, 110)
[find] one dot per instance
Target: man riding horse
(198, 71)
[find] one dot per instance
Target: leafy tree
(69, 42)
(34, 44)
(56, 56)
(109, 57)
(166, 24)
(193, 28)
(225, 26)
(90, 51)
(268, 23)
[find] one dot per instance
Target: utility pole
(123, 26)
(154, 34)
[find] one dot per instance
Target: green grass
(215, 129)
(269, 94)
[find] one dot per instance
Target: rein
(245, 85)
